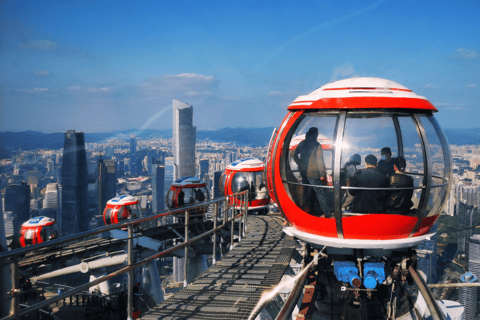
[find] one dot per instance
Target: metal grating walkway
(232, 287)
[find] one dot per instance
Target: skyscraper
(427, 257)
(467, 296)
(184, 138)
(109, 182)
(465, 218)
(158, 178)
(133, 154)
(17, 201)
(203, 164)
(74, 184)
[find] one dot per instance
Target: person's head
(312, 133)
(371, 161)
(356, 159)
(400, 164)
(386, 153)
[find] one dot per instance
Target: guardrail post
(215, 209)
(245, 215)
(15, 307)
(240, 226)
(232, 224)
(185, 266)
(130, 272)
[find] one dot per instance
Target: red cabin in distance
(187, 191)
(120, 208)
(37, 230)
(360, 116)
(246, 174)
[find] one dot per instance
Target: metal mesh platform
(234, 285)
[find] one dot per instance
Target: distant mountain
(29, 140)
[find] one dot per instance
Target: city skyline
(239, 64)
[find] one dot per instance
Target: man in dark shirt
(399, 202)
(368, 201)
(309, 158)
(385, 165)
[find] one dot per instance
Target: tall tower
(203, 164)
(109, 182)
(74, 184)
(427, 256)
(184, 138)
(17, 201)
(467, 296)
(158, 180)
(465, 218)
(133, 154)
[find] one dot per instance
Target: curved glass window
(312, 177)
(309, 164)
(29, 234)
(221, 183)
(440, 173)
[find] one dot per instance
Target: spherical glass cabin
(37, 230)
(360, 116)
(187, 191)
(120, 208)
(246, 174)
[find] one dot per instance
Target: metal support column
(131, 272)
(15, 307)
(215, 210)
(232, 224)
(185, 266)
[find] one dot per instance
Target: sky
(100, 66)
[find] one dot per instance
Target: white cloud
(33, 90)
(472, 85)
(75, 88)
(442, 104)
(97, 89)
(187, 84)
(40, 45)
(463, 53)
(347, 70)
(41, 72)
(431, 86)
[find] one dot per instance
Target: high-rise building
(74, 184)
(467, 296)
(17, 201)
(51, 202)
(216, 184)
(158, 193)
(109, 182)
(184, 138)
(133, 154)
(203, 168)
(427, 257)
(465, 219)
(474, 255)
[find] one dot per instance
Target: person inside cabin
(368, 201)
(309, 158)
(385, 165)
(346, 178)
(199, 196)
(399, 202)
(262, 191)
(181, 198)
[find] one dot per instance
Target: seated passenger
(368, 201)
(346, 178)
(385, 165)
(262, 192)
(399, 202)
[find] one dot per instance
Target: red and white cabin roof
(38, 222)
(123, 201)
(193, 182)
(362, 93)
(248, 163)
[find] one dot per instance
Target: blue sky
(99, 66)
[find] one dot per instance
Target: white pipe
(84, 267)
